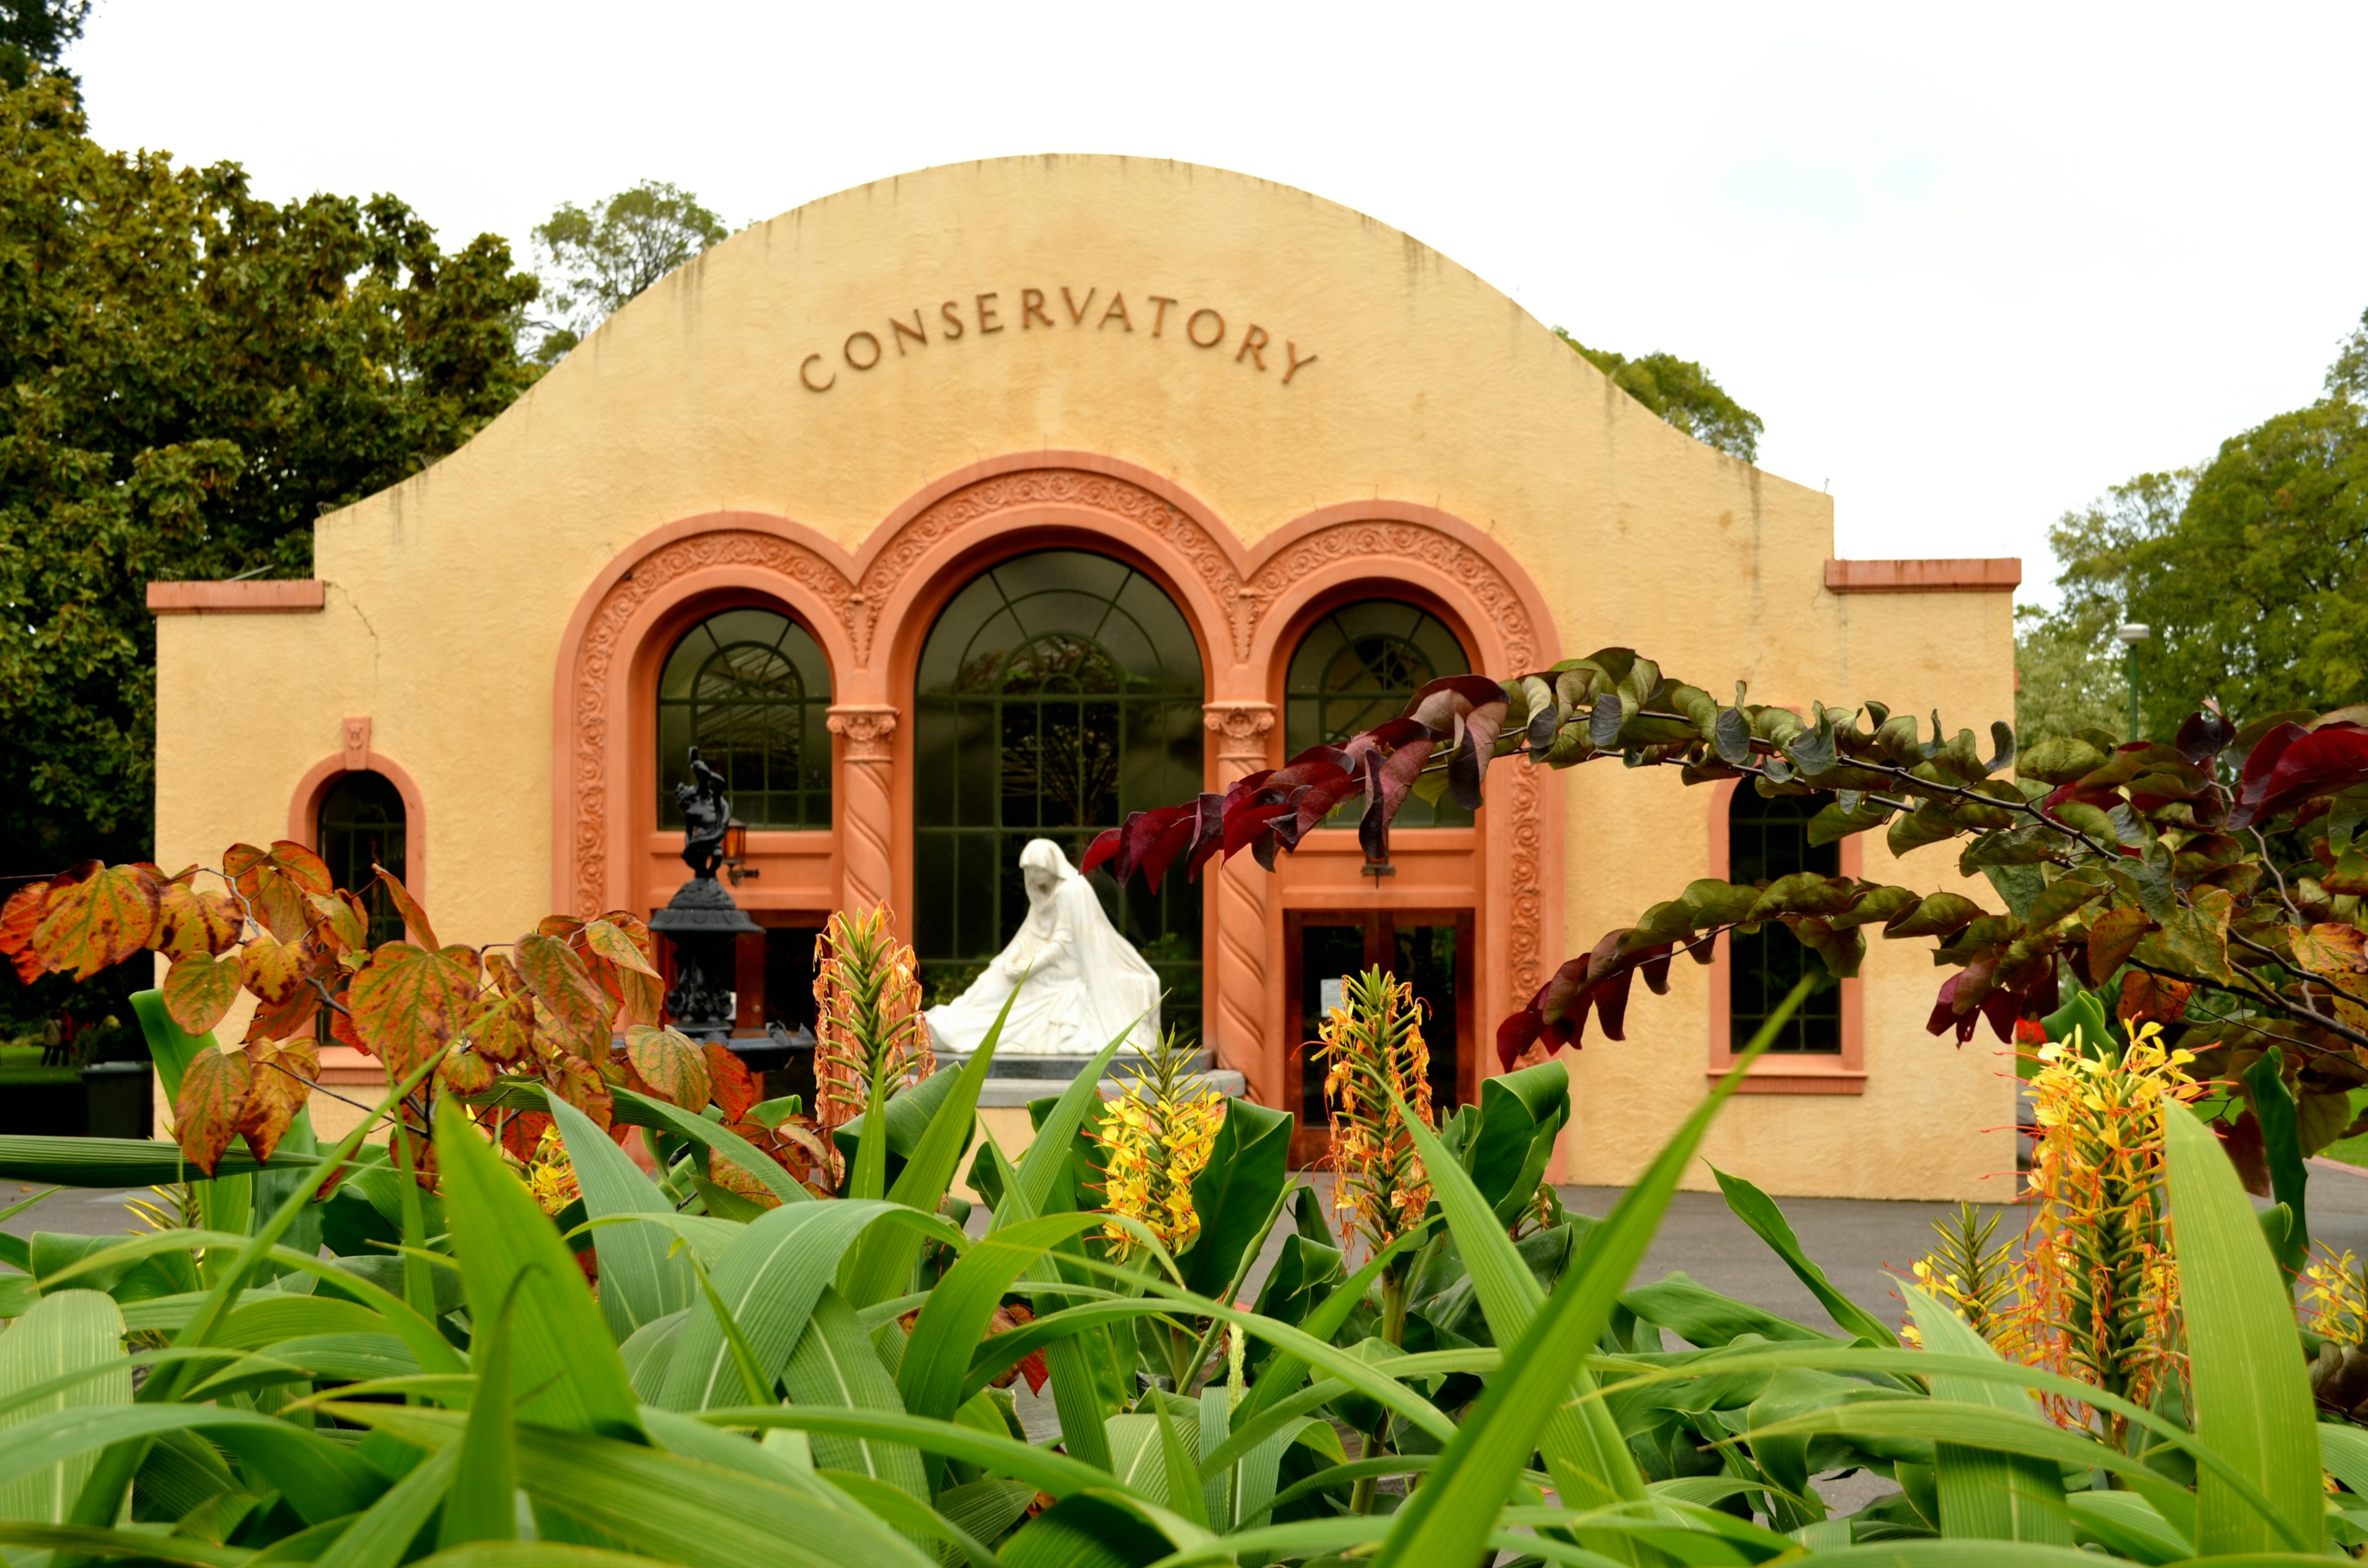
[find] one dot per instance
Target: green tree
(193, 376)
(34, 33)
(1682, 392)
(592, 261)
(2067, 661)
(2251, 572)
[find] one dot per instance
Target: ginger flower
(1156, 1138)
(550, 1175)
(1372, 1048)
(867, 1027)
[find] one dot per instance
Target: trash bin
(121, 1098)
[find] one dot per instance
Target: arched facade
(1247, 607)
(1267, 403)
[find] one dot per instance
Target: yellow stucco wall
(448, 596)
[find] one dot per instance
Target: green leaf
(639, 1282)
(1756, 1209)
(2251, 1396)
(1446, 1519)
(1521, 1113)
(1985, 1494)
(483, 1504)
(768, 1282)
(954, 1324)
(1235, 1192)
(60, 1335)
(563, 1354)
(169, 1045)
(835, 1365)
(884, 1258)
(1047, 1470)
(2274, 1107)
(721, 1140)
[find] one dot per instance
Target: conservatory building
(993, 502)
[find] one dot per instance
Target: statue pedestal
(1016, 1080)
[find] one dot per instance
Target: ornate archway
(870, 610)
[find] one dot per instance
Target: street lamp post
(2133, 633)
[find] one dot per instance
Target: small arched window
(1768, 837)
(1354, 669)
(362, 825)
(750, 690)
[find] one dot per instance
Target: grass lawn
(22, 1064)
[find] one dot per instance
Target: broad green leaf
(562, 1355)
(1985, 1493)
(1756, 1209)
(768, 1282)
(2250, 1393)
(64, 1541)
(1040, 1164)
(720, 1140)
(2128, 1526)
(639, 1282)
(1446, 1519)
(483, 1504)
(1236, 1192)
(62, 1334)
(835, 1365)
(2282, 1150)
(952, 1327)
(381, 1536)
(1047, 1470)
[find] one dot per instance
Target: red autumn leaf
(501, 1029)
(281, 1078)
(521, 1131)
(213, 1097)
(308, 870)
(199, 990)
(674, 1069)
(18, 920)
(2291, 764)
(414, 917)
(406, 1004)
(188, 921)
(578, 1083)
(562, 983)
(730, 1084)
(465, 1072)
(99, 921)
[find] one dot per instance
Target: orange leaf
(18, 921)
(564, 927)
(674, 1068)
(188, 921)
(272, 970)
(100, 920)
(578, 1083)
(563, 984)
(505, 975)
(620, 948)
(199, 989)
(2329, 950)
(521, 1132)
(730, 1084)
(309, 871)
(279, 1081)
(406, 1004)
(408, 908)
(501, 1028)
(465, 1072)
(640, 998)
(343, 921)
(213, 1097)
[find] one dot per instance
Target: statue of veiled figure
(1084, 981)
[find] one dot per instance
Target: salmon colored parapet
(298, 596)
(1991, 574)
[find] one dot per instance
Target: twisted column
(1240, 967)
(866, 813)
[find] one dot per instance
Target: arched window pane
(750, 690)
(1057, 692)
(1768, 837)
(362, 825)
(1355, 669)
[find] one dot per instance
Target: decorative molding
(866, 728)
(595, 656)
(1418, 552)
(1241, 729)
(2001, 574)
(1120, 501)
(260, 596)
(357, 742)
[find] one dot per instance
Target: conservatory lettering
(1245, 343)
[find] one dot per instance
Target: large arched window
(1354, 669)
(1768, 837)
(362, 825)
(1057, 692)
(749, 688)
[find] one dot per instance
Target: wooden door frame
(1311, 1144)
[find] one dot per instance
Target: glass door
(1430, 949)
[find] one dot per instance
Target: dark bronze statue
(705, 810)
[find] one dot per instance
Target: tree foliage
(2251, 571)
(193, 376)
(593, 260)
(34, 33)
(2216, 882)
(1680, 391)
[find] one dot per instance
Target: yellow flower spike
(1155, 1137)
(1374, 1047)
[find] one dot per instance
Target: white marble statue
(1085, 982)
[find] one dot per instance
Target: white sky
(1970, 266)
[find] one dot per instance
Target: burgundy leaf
(1208, 833)
(1103, 847)
(1945, 1015)
(1175, 836)
(2306, 763)
(2204, 736)
(1612, 1000)
(1517, 1034)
